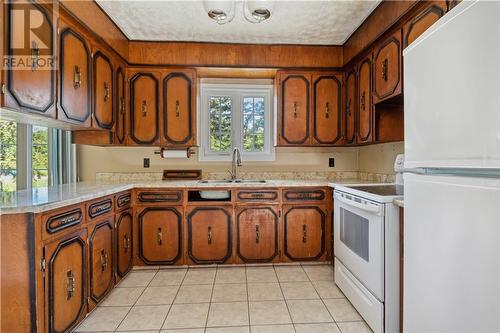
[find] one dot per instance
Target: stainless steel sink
(236, 181)
(250, 181)
(215, 181)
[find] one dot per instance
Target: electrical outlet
(331, 162)
(146, 162)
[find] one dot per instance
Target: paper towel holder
(189, 151)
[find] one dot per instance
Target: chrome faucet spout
(236, 162)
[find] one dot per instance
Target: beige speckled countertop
(399, 202)
(48, 198)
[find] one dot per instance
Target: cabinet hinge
(42, 265)
(4, 89)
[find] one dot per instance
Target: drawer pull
(257, 234)
(385, 69)
(35, 56)
(70, 284)
(77, 77)
(159, 236)
(177, 109)
(209, 235)
(304, 233)
(104, 260)
(327, 110)
(295, 106)
(106, 91)
(144, 108)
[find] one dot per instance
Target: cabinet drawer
(99, 207)
(304, 195)
(122, 201)
(62, 219)
(159, 196)
(257, 195)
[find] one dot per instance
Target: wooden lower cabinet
(101, 277)
(257, 230)
(304, 232)
(66, 282)
(209, 234)
(159, 235)
(123, 243)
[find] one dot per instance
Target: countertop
(399, 202)
(48, 198)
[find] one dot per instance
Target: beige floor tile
(144, 318)
(141, 331)
(327, 289)
(317, 328)
(269, 312)
(299, 290)
(308, 311)
(137, 279)
(237, 329)
(122, 297)
(169, 277)
(231, 275)
(342, 310)
(158, 295)
(194, 294)
(319, 272)
(200, 276)
(229, 292)
(272, 329)
(290, 273)
(264, 292)
(228, 314)
(103, 319)
(187, 316)
(354, 327)
(261, 274)
(187, 330)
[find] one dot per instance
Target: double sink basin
(220, 195)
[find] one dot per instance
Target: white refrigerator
(452, 187)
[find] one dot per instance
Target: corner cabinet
(121, 107)
(123, 241)
(103, 92)
(144, 109)
(365, 102)
(30, 89)
(350, 103)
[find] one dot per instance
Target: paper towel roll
(166, 153)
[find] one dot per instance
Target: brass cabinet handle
(77, 77)
(125, 243)
(327, 110)
(159, 236)
(144, 108)
(70, 284)
(257, 234)
(348, 107)
(35, 56)
(209, 235)
(122, 105)
(177, 109)
(363, 101)
(104, 260)
(295, 109)
(385, 67)
(106, 92)
(304, 233)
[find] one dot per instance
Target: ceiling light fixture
(254, 11)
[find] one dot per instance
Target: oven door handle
(368, 208)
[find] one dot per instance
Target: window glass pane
(40, 157)
(220, 123)
(8, 139)
(253, 123)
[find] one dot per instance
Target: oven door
(359, 239)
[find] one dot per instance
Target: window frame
(237, 92)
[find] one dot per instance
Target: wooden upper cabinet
(144, 114)
(327, 120)
(103, 96)
(422, 21)
(121, 112)
(350, 103)
(209, 234)
(293, 109)
(74, 78)
(65, 282)
(123, 241)
(388, 68)
(30, 87)
(179, 109)
(365, 109)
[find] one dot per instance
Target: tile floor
(257, 299)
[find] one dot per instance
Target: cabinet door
(422, 21)
(30, 86)
(178, 110)
(209, 235)
(350, 106)
(144, 108)
(101, 259)
(387, 68)
(160, 235)
(365, 110)
(65, 282)
(257, 233)
(121, 106)
(327, 92)
(123, 241)
(74, 80)
(304, 232)
(104, 101)
(294, 110)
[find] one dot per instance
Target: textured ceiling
(292, 22)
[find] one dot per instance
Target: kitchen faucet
(236, 162)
